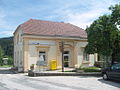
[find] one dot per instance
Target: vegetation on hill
(7, 46)
(6, 50)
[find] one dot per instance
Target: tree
(104, 36)
(1, 55)
(101, 36)
(7, 45)
(115, 18)
(1, 52)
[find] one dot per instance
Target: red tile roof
(48, 28)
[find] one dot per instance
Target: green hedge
(91, 69)
(10, 60)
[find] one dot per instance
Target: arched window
(85, 56)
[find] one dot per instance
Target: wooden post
(61, 47)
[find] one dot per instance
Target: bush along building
(37, 41)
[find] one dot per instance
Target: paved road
(11, 81)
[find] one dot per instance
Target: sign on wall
(41, 43)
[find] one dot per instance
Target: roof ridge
(46, 21)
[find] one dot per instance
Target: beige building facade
(29, 48)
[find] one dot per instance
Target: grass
(6, 66)
(91, 69)
(69, 71)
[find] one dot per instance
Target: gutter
(55, 36)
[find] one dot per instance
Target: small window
(85, 56)
(42, 56)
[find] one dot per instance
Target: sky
(77, 12)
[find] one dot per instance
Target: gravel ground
(11, 81)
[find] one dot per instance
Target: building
(36, 38)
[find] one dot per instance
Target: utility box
(53, 64)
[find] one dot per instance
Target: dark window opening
(42, 56)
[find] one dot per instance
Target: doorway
(66, 58)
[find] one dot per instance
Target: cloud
(84, 19)
(82, 13)
(6, 33)
(6, 29)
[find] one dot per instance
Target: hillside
(7, 45)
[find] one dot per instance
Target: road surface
(11, 81)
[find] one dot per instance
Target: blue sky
(78, 12)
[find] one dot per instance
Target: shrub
(10, 60)
(91, 69)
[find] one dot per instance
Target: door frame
(68, 57)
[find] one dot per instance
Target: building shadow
(110, 82)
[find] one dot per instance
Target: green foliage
(101, 36)
(1, 55)
(1, 52)
(10, 60)
(7, 45)
(104, 36)
(115, 16)
(70, 71)
(6, 66)
(116, 20)
(6, 50)
(91, 69)
(1, 63)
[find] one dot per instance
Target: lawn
(6, 66)
(91, 69)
